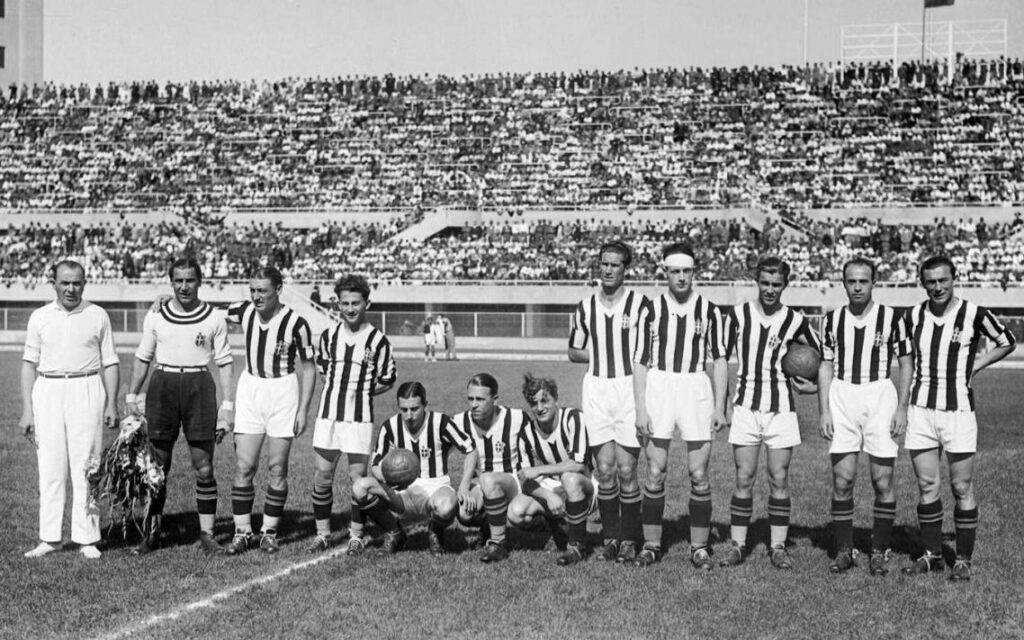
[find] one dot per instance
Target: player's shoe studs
(609, 551)
(780, 558)
(845, 560)
(356, 546)
(647, 557)
(494, 551)
(319, 544)
(240, 543)
(961, 569)
(574, 553)
(700, 558)
(435, 542)
(393, 541)
(878, 564)
(268, 542)
(733, 556)
(927, 563)
(209, 544)
(627, 552)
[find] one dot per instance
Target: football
(400, 468)
(801, 360)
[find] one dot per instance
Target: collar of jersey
(199, 313)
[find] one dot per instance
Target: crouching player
(495, 431)
(430, 435)
(555, 477)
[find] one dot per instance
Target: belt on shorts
(169, 369)
(69, 374)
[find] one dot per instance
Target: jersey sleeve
(302, 338)
(385, 364)
(221, 345)
(33, 339)
(994, 330)
(647, 341)
(525, 452)
(383, 443)
(451, 435)
(900, 341)
(828, 342)
(716, 333)
(731, 332)
(147, 346)
(579, 445)
(323, 351)
(108, 355)
(235, 311)
(807, 331)
(578, 334)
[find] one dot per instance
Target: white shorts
(428, 339)
(954, 431)
(266, 405)
(349, 437)
(776, 430)
(862, 417)
(554, 485)
(682, 402)
(609, 411)
(416, 497)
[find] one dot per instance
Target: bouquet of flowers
(128, 475)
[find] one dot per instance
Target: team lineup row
(654, 367)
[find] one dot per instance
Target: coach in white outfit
(69, 381)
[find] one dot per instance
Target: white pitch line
(211, 601)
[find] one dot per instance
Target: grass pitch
(415, 595)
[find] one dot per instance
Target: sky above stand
(99, 40)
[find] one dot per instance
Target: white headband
(678, 261)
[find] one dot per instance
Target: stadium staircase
(316, 315)
(435, 222)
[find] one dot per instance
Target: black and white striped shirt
(759, 344)
(567, 441)
(272, 350)
(436, 438)
(611, 334)
(680, 337)
(944, 352)
(862, 349)
(499, 445)
(353, 364)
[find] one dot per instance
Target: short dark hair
(268, 273)
(484, 380)
(772, 264)
(70, 264)
(531, 385)
(619, 247)
(185, 263)
(412, 389)
(684, 248)
(935, 262)
(352, 283)
(860, 261)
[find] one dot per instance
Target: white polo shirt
(61, 341)
(185, 339)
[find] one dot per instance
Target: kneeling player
(495, 432)
(556, 476)
(430, 435)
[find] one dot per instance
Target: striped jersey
(610, 334)
(759, 344)
(184, 338)
(679, 338)
(353, 364)
(567, 441)
(499, 445)
(862, 349)
(273, 349)
(432, 444)
(944, 353)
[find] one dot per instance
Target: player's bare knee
(361, 488)
(443, 508)
(699, 480)
(204, 471)
(572, 482)
(842, 486)
(779, 485)
(655, 479)
(962, 489)
(517, 511)
(490, 486)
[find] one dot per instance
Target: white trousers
(68, 415)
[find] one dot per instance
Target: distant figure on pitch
(429, 340)
(69, 378)
(449, 338)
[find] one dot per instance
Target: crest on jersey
(426, 452)
(700, 327)
(625, 321)
(879, 339)
(367, 354)
(200, 339)
(281, 348)
(774, 342)
(499, 448)
(960, 336)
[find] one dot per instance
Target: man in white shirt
(69, 379)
